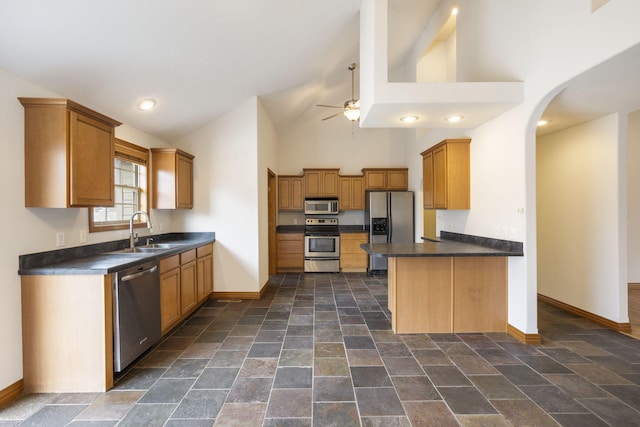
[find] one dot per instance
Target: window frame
(132, 153)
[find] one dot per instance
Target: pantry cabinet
(172, 179)
(69, 154)
(351, 196)
(290, 193)
(446, 175)
(386, 178)
(320, 182)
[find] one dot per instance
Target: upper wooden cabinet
(321, 182)
(386, 178)
(446, 176)
(351, 195)
(68, 151)
(172, 179)
(290, 193)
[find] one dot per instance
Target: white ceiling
(197, 58)
(201, 58)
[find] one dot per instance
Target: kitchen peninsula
(456, 284)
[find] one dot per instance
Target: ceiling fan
(351, 108)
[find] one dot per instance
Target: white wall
(504, 40)
(227, 195)
(267, 159)
(578, 194)
(633, 198)
(337, 143)
(34, 230)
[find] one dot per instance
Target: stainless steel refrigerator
(389, 215)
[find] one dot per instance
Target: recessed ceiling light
(409, 119)
(543, 122)
(146, 104)
(454, 11)
(454, 119)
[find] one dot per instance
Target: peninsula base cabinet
(448, 294)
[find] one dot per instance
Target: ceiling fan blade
(330, 106)
(336, 114)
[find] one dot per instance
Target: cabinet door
(427, 179)
(297, 194)
(184, 182)
(330, 184)
(188, 292)
(440, 177)
(397, 179)
(375, 180)
(208, 275)
(91, 161)
(313, 184)
(357, 193)
(284, 193)
(169, 298)
(345, 193)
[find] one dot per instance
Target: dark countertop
(443, 248)
(94, 259)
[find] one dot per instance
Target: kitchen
(237, 220)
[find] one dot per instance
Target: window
(130, 186)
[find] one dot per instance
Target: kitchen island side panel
(67, 333)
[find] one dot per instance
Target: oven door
(319, 246)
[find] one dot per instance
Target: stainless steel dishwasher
(136, 312)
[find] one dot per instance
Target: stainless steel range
(321, 245)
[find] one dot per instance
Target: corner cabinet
(172, 179)
(446, 175)
(386, 178)
(69, 152)
(321, 182)
(290, 193)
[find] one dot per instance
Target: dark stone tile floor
(317, 350)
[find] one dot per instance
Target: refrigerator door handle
(389, 220)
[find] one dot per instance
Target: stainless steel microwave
(321, 206)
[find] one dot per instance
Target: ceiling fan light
(352, 110)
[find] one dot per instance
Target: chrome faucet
(133, 237)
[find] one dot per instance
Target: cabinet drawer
(187, 256)
(204, 250)
(362, 237)
(288, 247)
(351, 247)
(290, 236)
(354, 260)
(169, 263)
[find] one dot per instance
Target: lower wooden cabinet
(188, 275)
(186, 280)
(204, 260)
(352, 257)
(290, 249)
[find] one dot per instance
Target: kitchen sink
(152, 248)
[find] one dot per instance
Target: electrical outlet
(513, 233)
(295, 221)
(503, 232)
(59, 239)
(82, 236)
